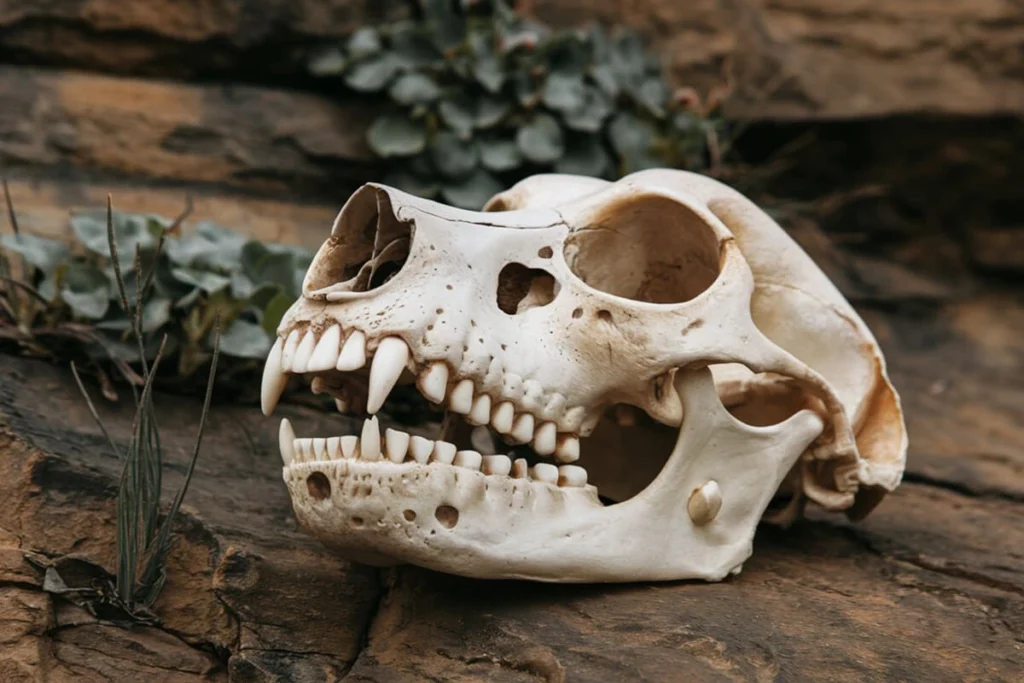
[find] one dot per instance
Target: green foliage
(474, 98)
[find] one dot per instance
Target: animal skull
(664, 316)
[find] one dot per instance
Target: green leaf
(499, 155)
(130, 230)
(459, 114)
(447, 28)
(40, 252)
(452, 156)
(564, 91)
(584, 155)
(473, 191)
(651, 94)
(373, 74)
(327, 62)
(393, 135)
(363, 43)
(590, 116)
(631, 138)
(414, 88)
(92, 305)
(274, 311)
(201, 279)
(541, 140)
(489, 112)
(155, 314)
(244, 339)
(489, 73)
(412, 46)
(86, 291)
(526, 89)
(604, 76)
(414, 183)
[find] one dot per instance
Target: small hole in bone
(521, 288)
(357, 521)
(577, 313)
(319, 486)
(447, 516)
(545, 252)
(410, 515)
(604, 316)
(439, 311)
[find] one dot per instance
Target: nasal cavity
(521, 288)
(368, 246)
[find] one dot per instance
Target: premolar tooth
(421, 449)
(480, 413)
(546, 438)
(482, 440)
(274, 379)
(396, 444)
(568, 449)
(434, 382)
(353, 353)
(496, 464)
(290, 345)
(304, 352)
(286, 441)
(369, 441)
(388, 363)
(341, 404)
(334, 447)
(469, 459)
(443, 452)
(461, 398)
(522, 428)
(503, 417)
(349, 444)
(520, 468)
(572, 475)
(325, 355)
(545, 472)
(320, 449)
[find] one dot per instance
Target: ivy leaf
(488, 72)
(155, 314)
(499, 155)
(589, 117)
(489, 112)
(604, 76)
(631, 138)
(459, 114)
(40, 252)
(473, 191)
(373, 74)
(274, 311)
(244, 339)
(130, 230)
(414, 88)
(364, 42)
(414, 183)
(584, 155)
(563, 91)
(412, 47)
(541, 140)
(453, 157)
(265, 264)
(86, 291)
(393, 135)
(201, 279)
(447, 28)
(651, 94)
(327, 62)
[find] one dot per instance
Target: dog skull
(727, 368)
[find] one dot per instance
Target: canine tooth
(286, 441)
(325, 355)
(482, 440)
(443, 452)
(461, 398)
(353, 353)
(420, 449)
(568, 449)
(480, 413)
(369, 441)
(496, 464)
(704, 503)
(388, 363)
(290, 345)
(469, 459)
(396, 444)
(545, 440)
(572, 475)
(274, 379)
(304, 352)
(503, 416)
(522, 428)
(520, 468)
(341, 404)
(545, 472)
(434, 382)
(320, 449)
(349, 444)
(334, 447)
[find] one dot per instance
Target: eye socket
(521, 288)
(646, 248)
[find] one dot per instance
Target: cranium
(718, 374)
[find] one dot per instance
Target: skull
(662, 364)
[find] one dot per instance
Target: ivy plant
(474, 97)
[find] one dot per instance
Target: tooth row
(399, 447)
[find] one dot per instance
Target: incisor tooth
(369, 441)
(304, 352)
(320, 449)
(520, 468)
(545, 472)
(302, 450)
(274, 379)
(396, 444)
(286, 441)
(545, 440)
(434, 382)
(568, 449)
(572, 475)
(349, 444)
(503, 416)
(461, 398)
(444, 452)
(353, 353)
(325, 355)
(421, 449)
(480, 413)
(496, 464)
(334, 447)
(522, 428)
(468, 459)
(388, 363)
(290, 345)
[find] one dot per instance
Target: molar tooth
(334, 448)
(704, 503)
(274, 379)
(503, 416)
(349, 444)
(522, 429)
(482, 440)
(421, 449)
(286, 441)
(320, 449)
(325, 355)
(443, 452)
(304, 352)
(396, 444)
(496, 464)
(568, 449)
(480, 413)
(572, 475)
(520, 468)
(353, 353)
(434, 382)
(545, 440)
(388, 363)
(469, 459)
(461, 398)
(369, 442)
(290, 345)
(545, 472)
